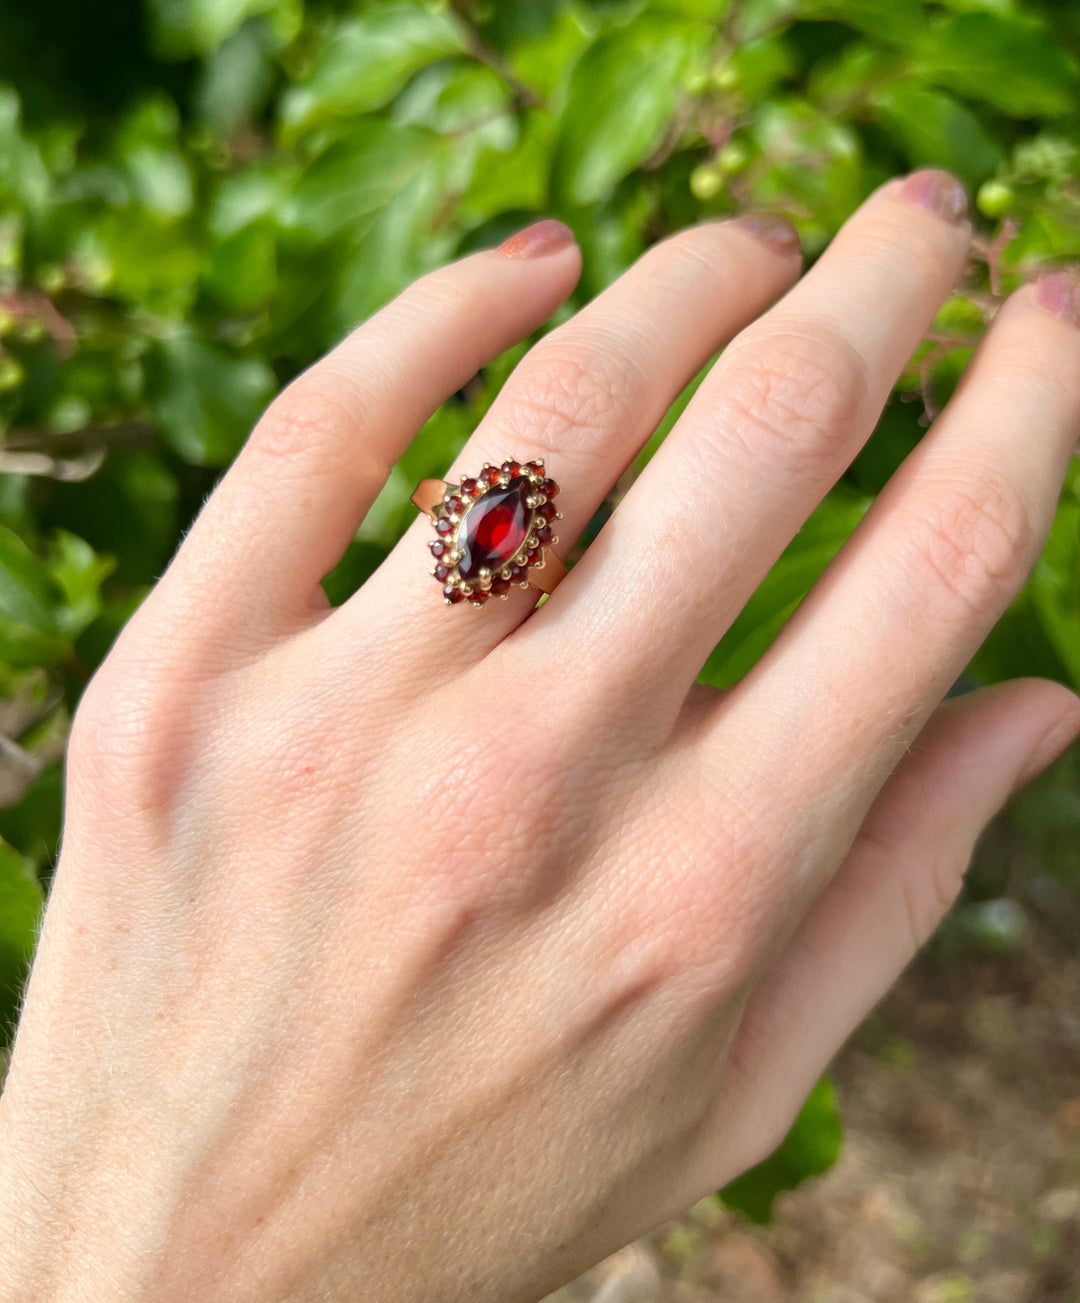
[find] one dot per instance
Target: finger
(285, 512)
(901, 875)
(770, 430)
(591, 392)
(932, 566)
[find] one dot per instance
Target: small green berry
(51, 277)
(705, 181)
(725, 77)
(994, 199)
(11, 374)
(732, 158)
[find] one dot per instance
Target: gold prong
(531, 542)
(554, 540)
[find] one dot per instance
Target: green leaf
(29, 592)
(800, 566)
(810, 1148)
(236, 79)
(20, 913)
(206, 400)
(242, 272)
(616, 117)
(885, 20)
(1055, 587)
(79, 572)
(935, 130)
(185, 27)
(1015, 64)
(359, 174)
(366, 61)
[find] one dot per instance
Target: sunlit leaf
(810, 1148)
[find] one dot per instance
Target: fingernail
(538, 240)
(773, 230)
(937, 191)
(1059, 738)
(1059, 294)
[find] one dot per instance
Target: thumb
(899, 878)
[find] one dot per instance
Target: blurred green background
(199, 197)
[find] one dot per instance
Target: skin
(413, 953)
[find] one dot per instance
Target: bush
(199, 197)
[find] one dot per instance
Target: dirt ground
(959, 1181)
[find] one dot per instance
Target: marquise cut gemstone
(494, 528)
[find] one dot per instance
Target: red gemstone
(532, 558)
(490, 474)
(548, 488)
(499, 585)
(452, 594)
(511, 468)
(441, 572)
(548, 511)
(494, 528)
(438, 547)
(454, 506)
(478, 598)
(537, 467)
(470, 488)
(443, 526)
(543, 534)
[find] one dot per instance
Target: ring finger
(768, 432)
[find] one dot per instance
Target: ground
(959, 1181)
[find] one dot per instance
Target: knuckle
(572, 395)
(129, 733)
(696, 250)
(798, 397)
(973, 538)
(929, 895)
(308, 414)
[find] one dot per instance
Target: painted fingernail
(1059, 293)
(773, 230)
(538, 240)
(937, 191)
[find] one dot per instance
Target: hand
(408, 953)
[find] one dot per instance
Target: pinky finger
(901, 875)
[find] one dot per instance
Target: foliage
(198, 197)
(810, 1148)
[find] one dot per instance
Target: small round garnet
(452, 594)
(548, 488)
(511, 468)
(443, 526)
(438, 547)
(441, 572)
(494, 528)
(470, 488)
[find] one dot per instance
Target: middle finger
(770, 430)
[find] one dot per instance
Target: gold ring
(493, 530)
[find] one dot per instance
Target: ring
(493, 530)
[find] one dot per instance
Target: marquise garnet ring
(493, 531)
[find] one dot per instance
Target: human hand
(408, 953)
